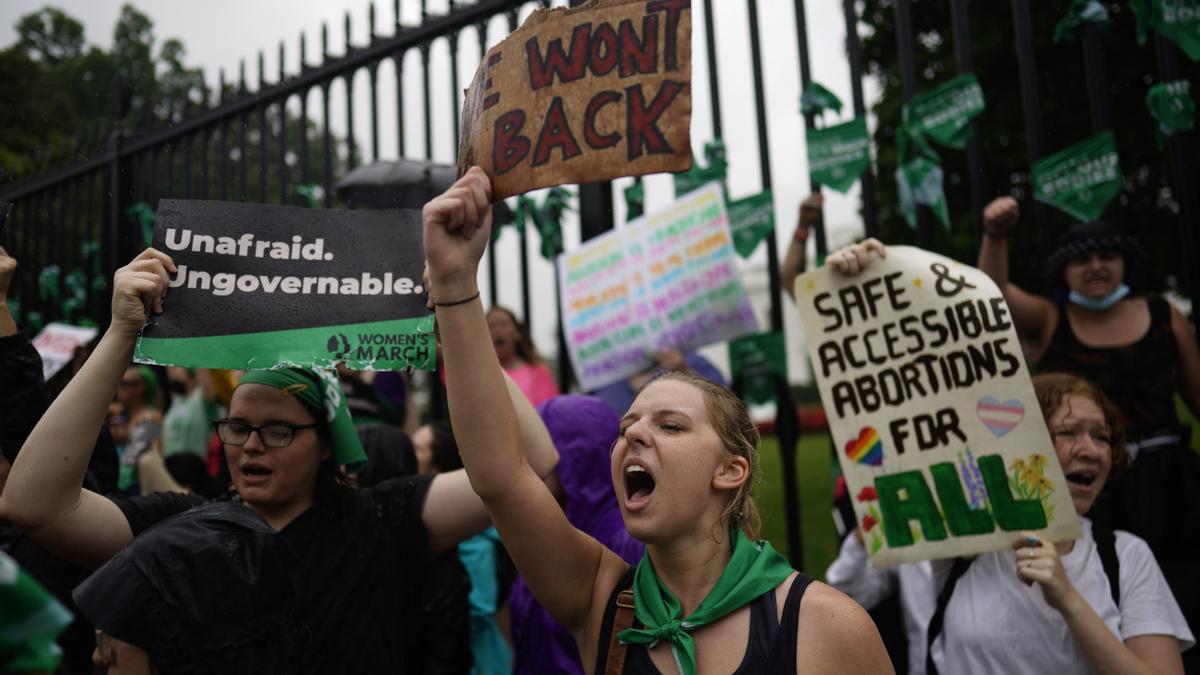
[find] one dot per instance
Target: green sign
(1176, 20)
(714, 154)
(757, 360)
(944, 113)
(1171, 105)
(635, 201)
(919, 177)
(817, 99)
(1079, 13)
(1080, 180)
(838, 155)
(751, 219)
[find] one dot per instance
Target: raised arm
(1034, 317)
(560, 564)
(43, 494)
(797, 250)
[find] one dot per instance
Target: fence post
(906, 47)
(976, 171)
(810, 121)
(854, 52)
(120, 185)
(1031, 100)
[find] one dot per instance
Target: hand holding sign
(457, 226)
(138, 289)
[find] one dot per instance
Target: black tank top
(1140, 378)
(772, 645)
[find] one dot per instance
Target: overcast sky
(219, 33)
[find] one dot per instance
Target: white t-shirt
(996, 624)
(852, 574)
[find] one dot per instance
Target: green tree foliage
(1145, 205)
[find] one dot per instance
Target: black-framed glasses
(272, 435)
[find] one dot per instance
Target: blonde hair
(729, 417)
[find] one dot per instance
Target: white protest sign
(57, 344)
(666, 280)
(932, 410)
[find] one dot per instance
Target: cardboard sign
(583, 94)
(265, 286)
(668, 279)
(56, 344)
(931, 408)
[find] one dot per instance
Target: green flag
(1079, 13)
(141, 214)
(944, 113)
(838, 155)
(919, 177)
(1176, 20)
(1080, 180)
(817, 99)
(716, 169)
(548, 221)
(751, 219)
(1171, 105)
(757, 359)
(635, 201)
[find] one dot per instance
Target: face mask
(1099, 304)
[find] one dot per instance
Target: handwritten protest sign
(583, 94)
(668, 279)
(935, 421)
(263, 286)
(56, 344)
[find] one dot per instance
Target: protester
(188, 422)
(519, 356)
(796, 256)
(683, 467)
(360, 551)
(584, 430)
(30, 620)
(619, 395)
(137, 392)
(172, 603)
(1141, 352)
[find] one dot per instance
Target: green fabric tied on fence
(1172, 106)
(1176, 20)
(757, 360)
(308, 194)
(548, 221)
(635, 201)
(816, 99)
(1080, 180)
(143, 216)
(48, 283)
(716, 169)
(919, 177)
(751, 219)
(944, 113)
(1079, 13)
(838, 155)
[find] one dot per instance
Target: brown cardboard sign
(584, 94)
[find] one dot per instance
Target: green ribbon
(548, 221)
(1172, 106)
(30, 621)
(635, 201)
(143, 216)
(838, 155)
(321, 393)
(944, 113)
(816, 99)
(1080, 180)
(757, 360)
(750, 221)
(1176, 20)
(1079, 13)
(48, 283)
(755, 568)
(308, 194)
(716, 169)
(919, 177)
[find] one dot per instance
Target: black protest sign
(262, 286)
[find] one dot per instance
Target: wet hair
(730, 418)
(1053, 390)
(332, 480)
(526, 351)
(445, 447)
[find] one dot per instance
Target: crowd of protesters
(178, 520)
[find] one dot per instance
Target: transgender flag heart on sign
(1000, 418)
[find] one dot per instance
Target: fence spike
(303, 51)
(396, 13)
(346, 25)
(282, 56)
(242, 76)
(371, 20)
(424, 11)
(324, 41)
(262, 70)
(221, 84)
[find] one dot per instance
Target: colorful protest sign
(1176, 20)
(944, 113)
(1080, 180)
(668, 279)
(263, 286)
(1172, 107)
(838, 155)
(751, 219)
(583, 94)
(932, 411)
(757, 361)
(56, 344)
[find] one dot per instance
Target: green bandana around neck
(321, 393)
(754, 569)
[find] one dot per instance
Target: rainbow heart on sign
(1000, 417)
(867, 448)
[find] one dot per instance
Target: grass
(814, 475)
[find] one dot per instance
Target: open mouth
(1081, 478)
(639, 484)
(255, 472)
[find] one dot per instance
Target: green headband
(321, 393)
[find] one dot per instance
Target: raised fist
(1000, 215)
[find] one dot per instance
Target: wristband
(456, 302)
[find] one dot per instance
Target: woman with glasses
(289, 441)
